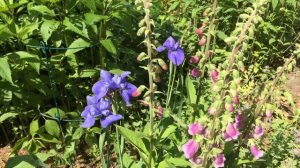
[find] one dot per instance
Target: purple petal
(104, 104)
(88, 122)
(258, 131)
(91, 100)
(126, 95)
(107, 120)
(105, 75)
(176, 46)
(196, 128)
(232, 131)
(160, 49)
(190, 148)
(256, 152)
(124, 75)
(219, 161)
(169, 43)
(100, 88)
(176, 56)
(86, 111)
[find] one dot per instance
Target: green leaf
(44, 10)
(85, 73)
(5, 72)
(79, 27)
(34, 126)
(77, 134)
(52, 128)
(168, 131)
(109, 46)
(274, 3)
(32, 59)
(54, 112)
(5, 116)
(25, 161)
(79, 44)
(134, 138)
(47, 28)
(92, 18)
(48, 138)
(192, 97)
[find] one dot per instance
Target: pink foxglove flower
(194, 59)
(190, 149)
(196, 160)
(256, 152)
(239, 121)
(258, 131)
(195, 72)
(236, 99)
(196, 128)
(214, 75)
(202, 41)
(231, 132)
(219, 161)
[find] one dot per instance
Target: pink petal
(256, 152)
(190, 148)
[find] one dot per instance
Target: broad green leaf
(77, 134)
(34, 126)
(54, 112)
(76, 46)
(6, 116)
(274, 3)
(44, 10)
(52, 128)
(47, 28)
(78, 27)
(85, 73)
(90, 4)
(25, 161)
(48, 138)
(32, 59)
(109, 46)
(92, 18)
(168, 131)
(134, 138)
(5, 72)
(192, 97)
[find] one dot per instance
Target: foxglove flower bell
(196, 128)
(175, 52)
(219, 161)
(231, 132)
(258, 131)
(256, 152)
(190, 149)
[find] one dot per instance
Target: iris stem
(172, 84)
(169, 83)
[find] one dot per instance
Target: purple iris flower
(175, 52)
(92, 110)
(108, 118)
(102, 87)
(126, 88)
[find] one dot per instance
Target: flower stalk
(150, 76)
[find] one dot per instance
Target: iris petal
(107, 120)
(169, 43)
(176, 57)
(105, 75)
(160, 48)
(88, 122)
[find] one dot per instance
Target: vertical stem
(101, 36)
(150, 69)
(5, 134)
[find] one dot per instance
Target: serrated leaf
(78, 28)
(5, 71)
(77, 45)
(43, 10)
(109, 46)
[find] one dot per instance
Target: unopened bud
(214, 75)
(194, 59)
(202, 41)
(235, 96)
(163, 64)
(157, 69)
(142, 56)
(157, 78)
(159, 112)
(229, 107)
(138, 91)
(195, 72)
(208, 53)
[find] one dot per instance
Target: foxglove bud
(208, 53)
(157, 69)
(214, 75)
(236, 99)
(163, 64)
(195, 72)
(202, 41)
(212, 111)
(256, 152)
(138, 91)
(269, 114)
(160, 112)
(194, 59)
(258, 131)
(219, 161)
(229, 107)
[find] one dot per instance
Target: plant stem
(172, 84)
(150, 69)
